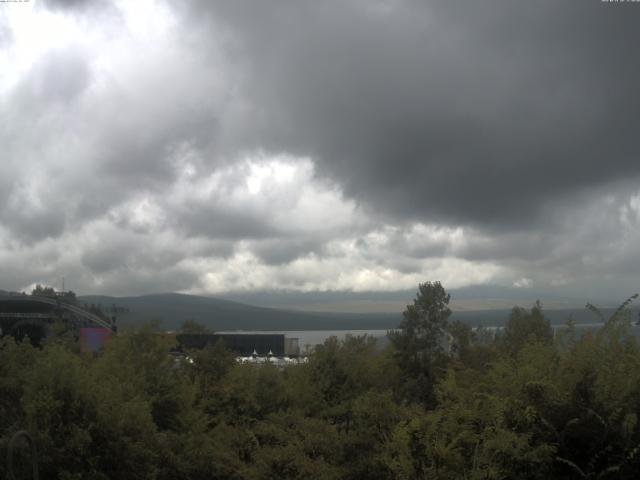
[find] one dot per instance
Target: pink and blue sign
(93, 339)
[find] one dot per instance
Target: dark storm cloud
(208, 145)
(128, 252)
(33, 225)
(278, 251)
(476, 112)
(509, 246)
(220, 223)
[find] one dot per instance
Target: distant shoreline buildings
(244, 344)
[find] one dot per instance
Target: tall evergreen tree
(421, 340)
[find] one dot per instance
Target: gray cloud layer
(483, 112)
(211, 145)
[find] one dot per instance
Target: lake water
(316, 337)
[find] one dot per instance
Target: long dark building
(244, 344)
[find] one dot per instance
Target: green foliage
(520, 407)
(210, 365)
(424, 324)
(292, 446)
(524, 327)
(191, 326)
(43, 291)
(421, 340)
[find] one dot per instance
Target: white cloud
(523, 283)
(135, 158)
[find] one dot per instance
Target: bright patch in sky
(206, 147)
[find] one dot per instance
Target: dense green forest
(442, 401)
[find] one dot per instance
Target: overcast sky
(360, 145)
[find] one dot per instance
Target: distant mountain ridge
(172, 309)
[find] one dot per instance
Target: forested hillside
(171, 309)
(441, 402)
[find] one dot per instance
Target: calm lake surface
(311, 338)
